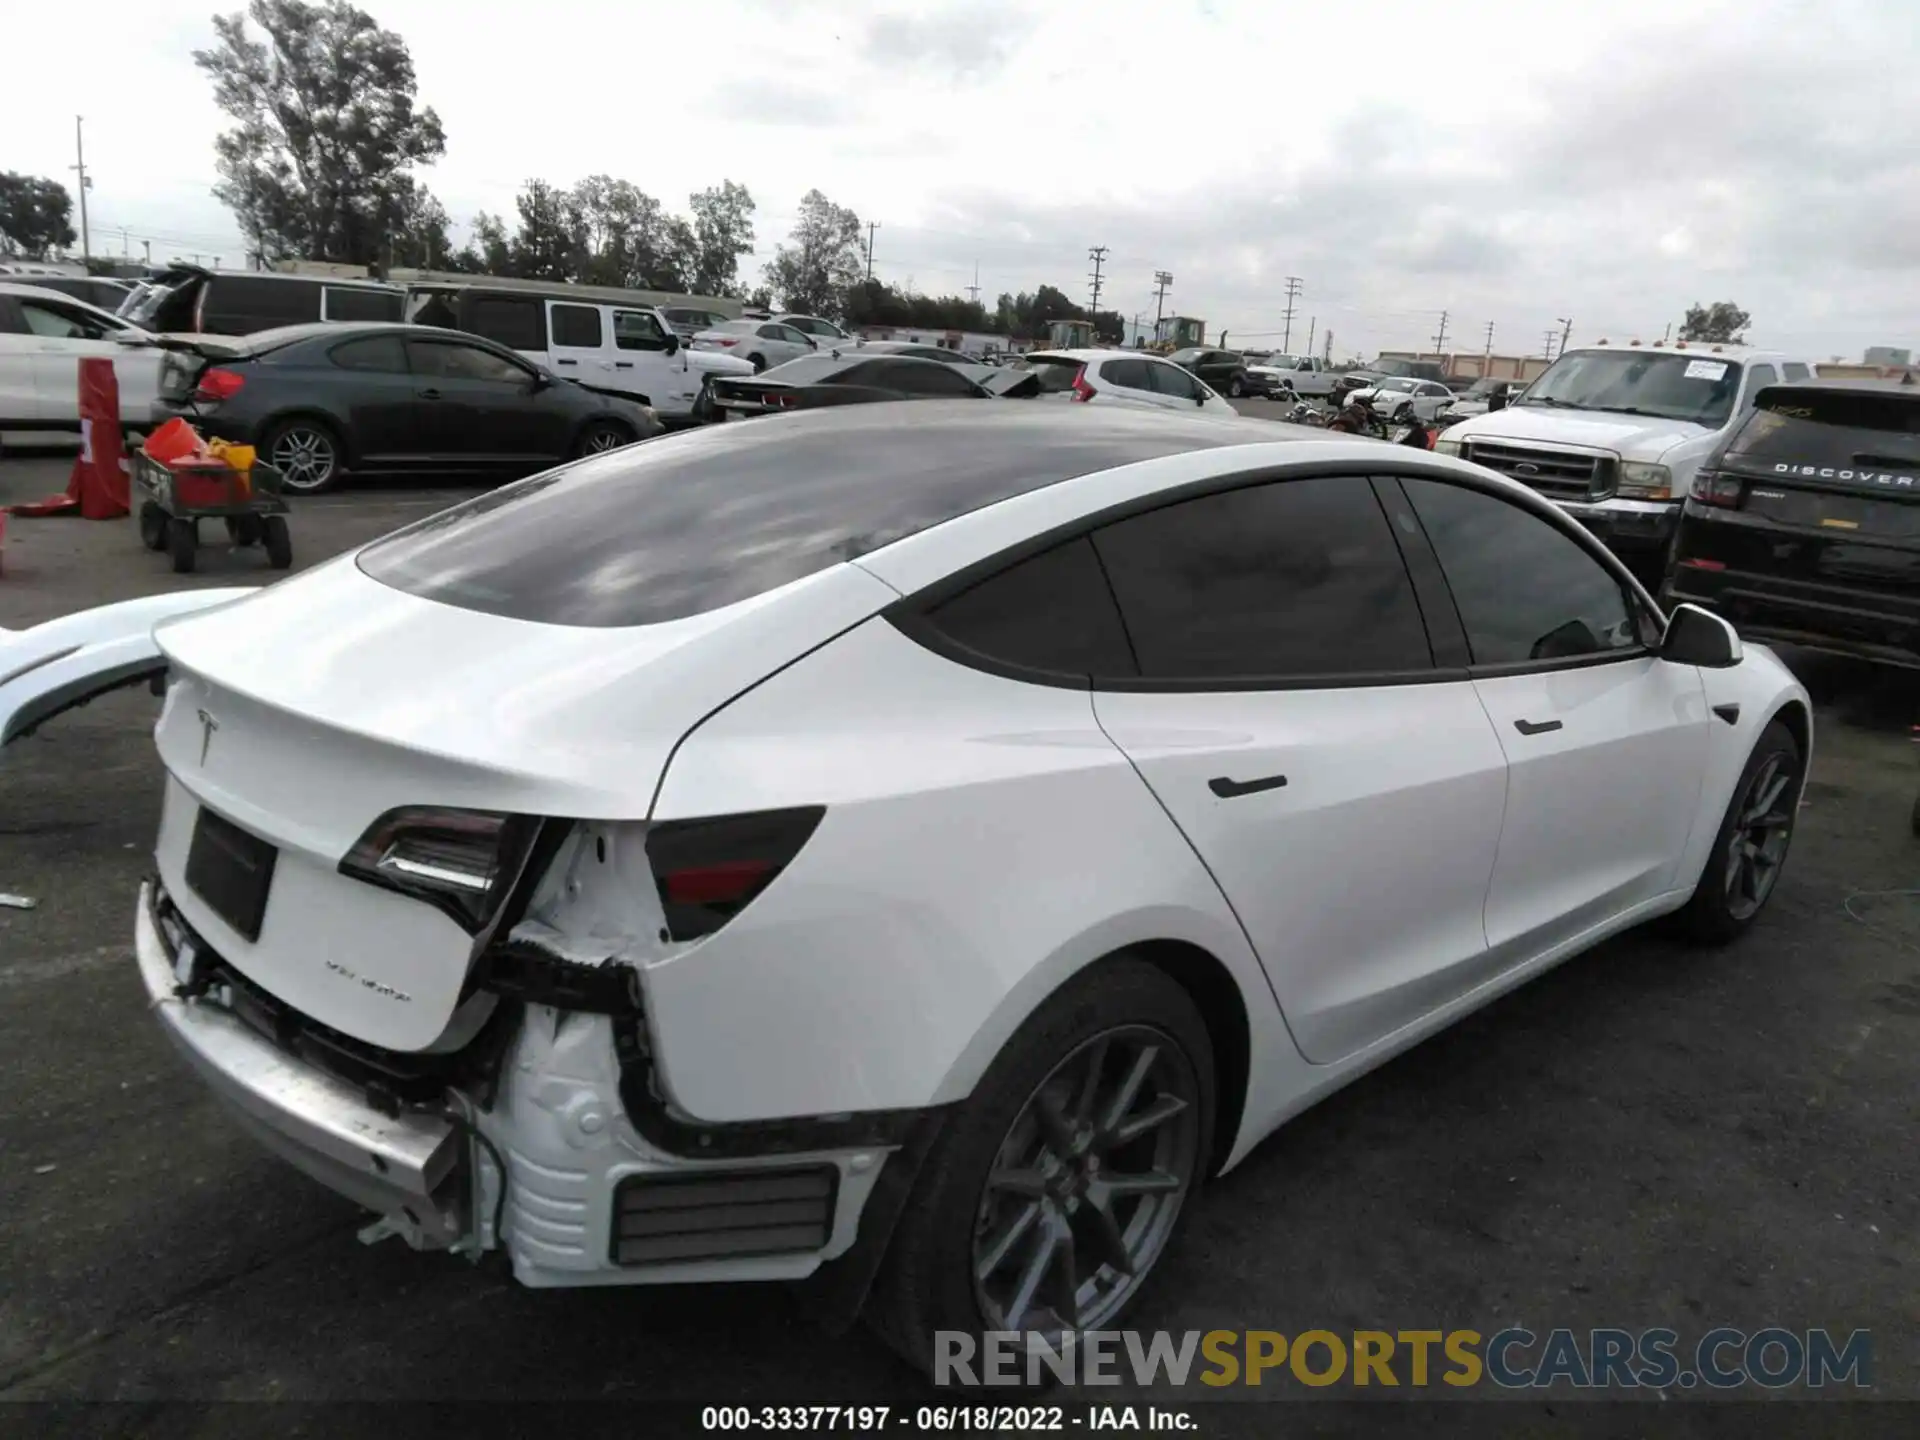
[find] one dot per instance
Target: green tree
(35, 215)
(488, 251)
(722, 232)
(317, 165)
(418, 237)
(1721, 323)
(813, 272)
(547, 244)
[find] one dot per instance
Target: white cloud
(1614, 163)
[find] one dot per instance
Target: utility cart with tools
(172, 498)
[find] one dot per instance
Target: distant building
(1887, 355)
(969, 342)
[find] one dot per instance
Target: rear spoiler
(1012, 384)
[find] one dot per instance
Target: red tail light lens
(1081, 389)
(215, 385)
(728, 344)
(461, 862)
(1710, 487)
(708, 871)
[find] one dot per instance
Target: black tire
(601, 436)
(1236, 388)
(307, 453)
(244, 530)
(277, 539)
(1403, 416)
(153, 526)
(927, 1282)
(1724, 903)
(759, 363)
(183, 539)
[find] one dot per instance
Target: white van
(594, 336)
(1613, 434)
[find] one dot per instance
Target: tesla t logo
(1526, 467)
(207, 726)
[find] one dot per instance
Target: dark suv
(1805, 525)
(1219, 370)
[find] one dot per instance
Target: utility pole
(1440, 339)
(1098, 255)
(872, 225)
(1312, 325)
(1666, 332)
(1326, 353)
(80, 168)
(973, 290)
(1286, 330)
(1489, 350)
(1161, 280)
(147, 245)
(1566, 329)
(1546, 345)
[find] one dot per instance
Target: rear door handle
(1228, 789)
(566, 362)
(429, 394)
(623, 364)
(1531, 727)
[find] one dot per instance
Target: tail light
(1081, 389)
(1710, 487)
(728, 343)
(216, 385)
(462, 862)
(708, 871)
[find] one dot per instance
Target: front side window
(638, 330)
(1526, 591)
(1172, 380)
(463, 362)
(1287, 580)
(929, 377)
(57, 322)
(351, 303)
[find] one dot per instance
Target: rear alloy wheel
(1055, 1189)
(306, 454)
(602, 436)
(1752, 845)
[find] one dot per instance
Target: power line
(1098, 254)
(1286, 329)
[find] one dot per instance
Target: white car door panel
(1606, 743)
(578, 345)
(20, 397)
(1358, 863)
(1284, 667)
(642, 366)
(1605, 765)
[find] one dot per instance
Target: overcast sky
(1513, 164)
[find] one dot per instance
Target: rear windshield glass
(688, 523)
(1845, 431)
(808, 370)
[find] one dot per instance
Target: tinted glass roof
(687, 523)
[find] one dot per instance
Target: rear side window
(384, 353)
(1285, 580)
(507, 320)
(1051, 612)
(1128, 374)
(1056, 376)
(1857, 435)
(576, 327)
(240, 304)
(691, 522)
(1526, 592)
(347, 302)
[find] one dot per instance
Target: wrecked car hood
(52, 667)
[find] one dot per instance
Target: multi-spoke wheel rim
(602, 440)
(1087, 1184)
(303, 457)
(1762, 829)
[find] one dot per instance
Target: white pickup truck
(1306, 375)
(1614, 433)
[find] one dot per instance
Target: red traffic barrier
(97, 488)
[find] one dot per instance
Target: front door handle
(623, 364)
(1531, 727)
(566, 362)
(429, 394)
(1228, 789)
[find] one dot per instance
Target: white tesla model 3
(914, 850)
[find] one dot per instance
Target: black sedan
(853, 378)
(322, 401)
(1221, 371)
